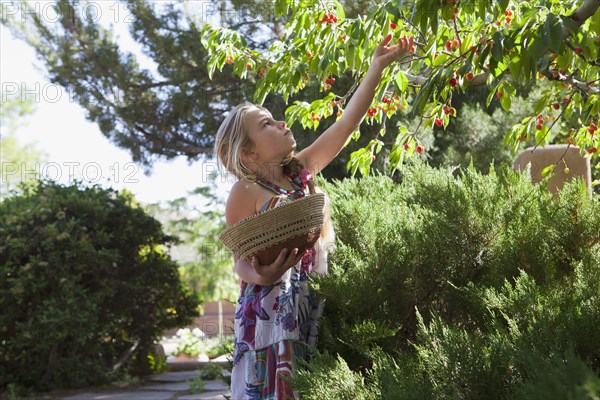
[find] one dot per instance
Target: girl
(276, 316)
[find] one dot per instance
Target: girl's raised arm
(327, 146)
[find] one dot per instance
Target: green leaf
(433, 13)
(515, 67)
(546, 171)
(490, 96)
(540, 104)
(482, 5)
(281, 7)
(339, 10)
(401, 81)
(349, 54)
(497, 48)
(536, 47)
(541, 137)
(553, 33)
(571, 25)
(440, 59)
(505, 101)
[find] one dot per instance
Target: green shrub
(452, 279)
(86, 286)
(211, 371)
(328, 377)
(220, 346)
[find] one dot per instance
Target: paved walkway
(169, 386)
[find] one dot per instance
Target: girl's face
(272, 139)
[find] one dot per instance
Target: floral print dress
(276, 325)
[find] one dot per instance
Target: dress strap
(278, 189)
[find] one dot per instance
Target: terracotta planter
(185, 358)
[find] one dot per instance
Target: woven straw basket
(297, 223)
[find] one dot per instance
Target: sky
(76, 148)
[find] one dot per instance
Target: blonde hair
(232, 137)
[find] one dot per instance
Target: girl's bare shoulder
(241, 202)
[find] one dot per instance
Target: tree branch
(478, 79)
(585, 11)
(583, 86)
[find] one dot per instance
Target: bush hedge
(86, 287)
(459, 285)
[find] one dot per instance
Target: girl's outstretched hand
(385, 55)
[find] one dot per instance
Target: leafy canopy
(501, 44)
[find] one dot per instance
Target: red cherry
(556, 106)
(452, 82)
(413, 48)
(469, 76)
(420, 149)
(592, 150)
(448, 45)
(439, 122)
(393, 25)
(261, 73)
(578, 50)
(538, 127)
(455, 43)
(499, 94)
(565, 100)
(373, 157)
(406, 146)
(248, 66)
(333, 103)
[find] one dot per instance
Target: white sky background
(76, 148)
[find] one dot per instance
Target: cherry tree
(458, 44)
